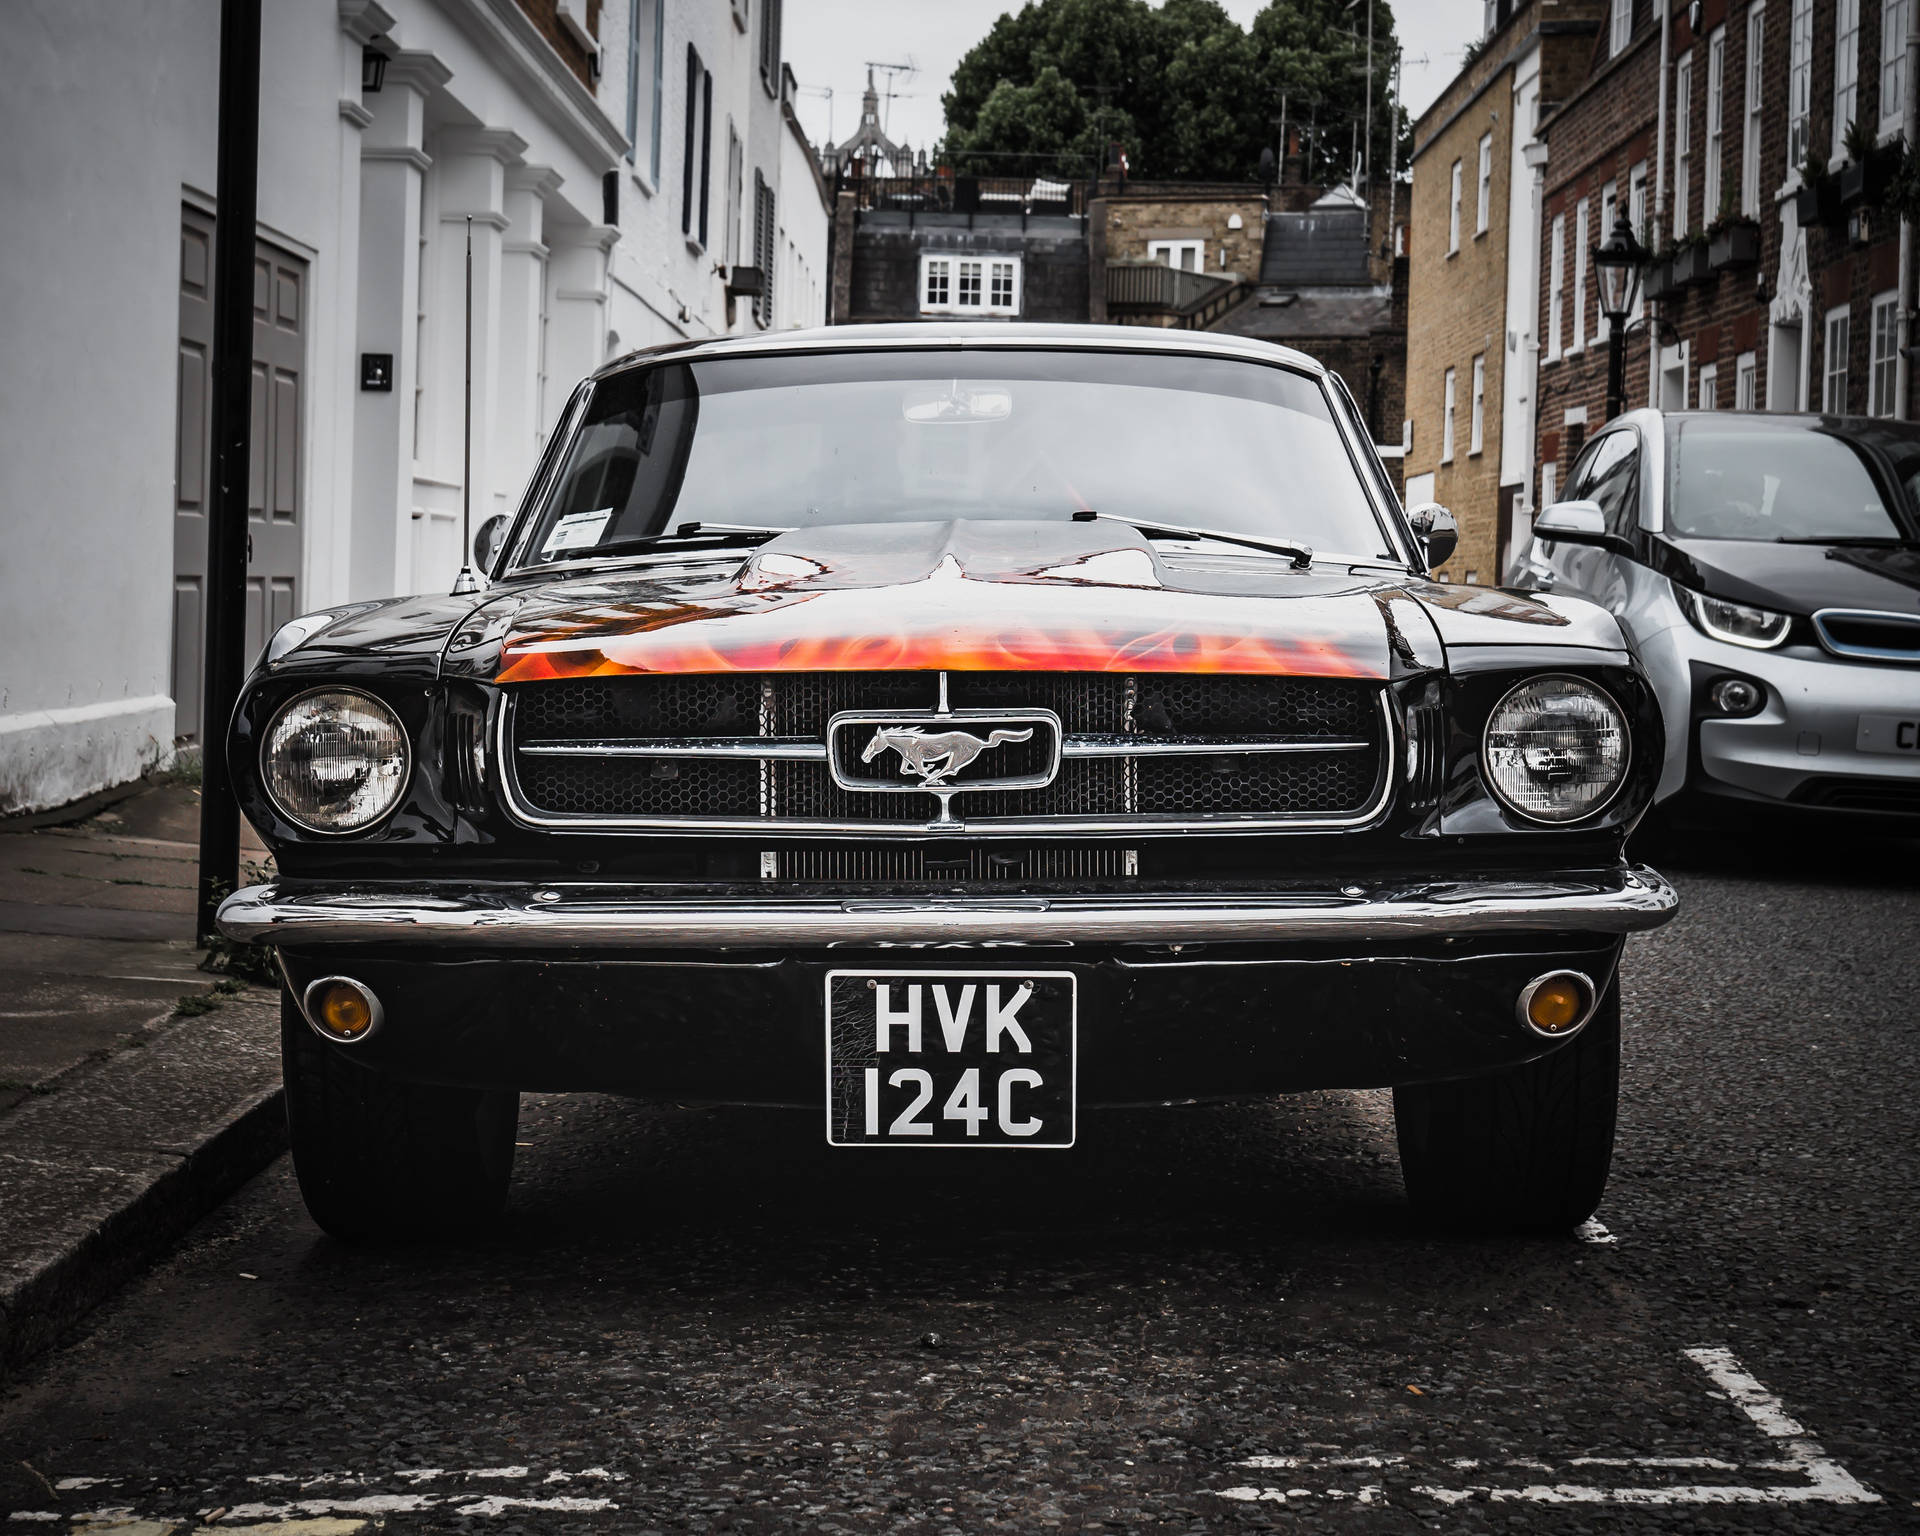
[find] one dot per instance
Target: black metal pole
(226, 595)
(1616, 367)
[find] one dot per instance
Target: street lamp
(1618, 261)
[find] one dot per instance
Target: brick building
(1766, 292)
(1472, 235)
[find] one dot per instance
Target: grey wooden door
(274, 509)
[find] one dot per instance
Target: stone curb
(99, 1179)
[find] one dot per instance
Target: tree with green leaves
(1181, 86)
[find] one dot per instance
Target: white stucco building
(537, 119)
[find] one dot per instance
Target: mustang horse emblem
(939, 757)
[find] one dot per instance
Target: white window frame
(1682, 142)
(1846, 73)
(1556, 286)
(1837, 329)
(1753, 96)
(1609, 209)
(646, 65)
(1620, 31)
(1716, 125)
(1709, 387)
(1168, 252)
(1799, 85)
(1746, 382)
(1483, 211)
(1446, 417)
(1579, 276)
(1883, 368)
(1637, 217)
(1893, 66)
(961, 272)
(1549, 483)
(1477, 422)
(1453, 214)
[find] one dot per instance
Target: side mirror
(1579, 522)
(1438, 533)
(487, 541)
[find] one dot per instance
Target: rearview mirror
(1579, 522)
(1438, 533)
(487, 540)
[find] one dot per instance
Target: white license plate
(1897, 734)
(951, 1058)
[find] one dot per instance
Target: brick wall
(1458, 302)
(545, 15)
(1133, 221)
(1594, 140)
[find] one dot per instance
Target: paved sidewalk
(136, 1090)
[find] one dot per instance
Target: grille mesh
(971, 865)
(799, 705)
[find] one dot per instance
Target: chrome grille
(747, 752)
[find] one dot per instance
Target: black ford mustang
(952, 729)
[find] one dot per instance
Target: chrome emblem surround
(937, 751)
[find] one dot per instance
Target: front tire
(382, 1160)
(1525, 1149)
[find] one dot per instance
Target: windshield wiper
(1863, 540)
(723, 533)
(1301, 555)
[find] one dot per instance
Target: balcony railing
(944, 193)
(1150, 290)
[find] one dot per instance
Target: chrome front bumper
(493, 917)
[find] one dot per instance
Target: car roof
(980, 334)
(1856, 426)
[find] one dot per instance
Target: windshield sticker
(577, 530)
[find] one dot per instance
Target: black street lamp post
(1618, 262)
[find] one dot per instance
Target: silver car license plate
(1897, 734)
(951, 1058)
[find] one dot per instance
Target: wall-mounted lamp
(373, 68)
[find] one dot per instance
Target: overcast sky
(830, 42)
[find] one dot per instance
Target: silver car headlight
(335, 760)
(1556, 749)
(1759, 629)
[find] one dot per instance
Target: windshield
(898, 436)
(1766, 480)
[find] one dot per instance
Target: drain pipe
(1660, 200)
(1903, 311)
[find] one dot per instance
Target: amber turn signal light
(1556, 1004)
(342, 1009)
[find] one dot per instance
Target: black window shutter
(706, 150)
(686, 158)
(763, 241)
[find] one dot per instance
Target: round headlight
(1556, 749)
(335, 760)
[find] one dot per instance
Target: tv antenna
(905, 71)
(826, 91)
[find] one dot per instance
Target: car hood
(1794, 578)
(995, 595)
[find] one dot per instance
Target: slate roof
(1321, 246)
(1351, 312)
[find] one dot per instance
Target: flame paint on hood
(961, 597)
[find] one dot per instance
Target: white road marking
(414, 1503)
(1591, 1231)
(1821, 1480)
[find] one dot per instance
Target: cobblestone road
(1206, 1319)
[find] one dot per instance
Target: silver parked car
(1766, 569)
